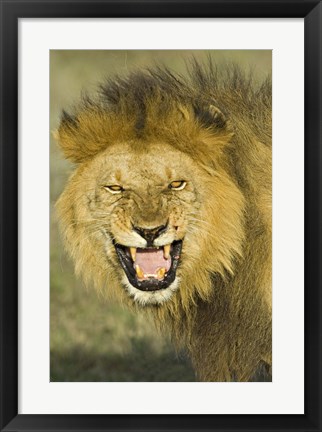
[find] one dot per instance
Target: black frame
(11, 11)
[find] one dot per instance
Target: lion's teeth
(133, 253)
(161, 273)
(166, 251)
(139, 272)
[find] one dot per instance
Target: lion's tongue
(151, 260)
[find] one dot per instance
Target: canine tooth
(133, 253)
(139, 272)
(161, 273)
(166, 251)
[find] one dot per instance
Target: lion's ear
(210, 116)
(65, 136)
(70, 136)
(183, 113)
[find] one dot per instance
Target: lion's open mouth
(150, 269)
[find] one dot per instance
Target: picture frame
(11, 11)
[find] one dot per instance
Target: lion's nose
(150, 234)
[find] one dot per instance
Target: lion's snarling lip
(150, 269)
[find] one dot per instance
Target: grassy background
(92, 339)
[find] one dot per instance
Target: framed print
(150, 278)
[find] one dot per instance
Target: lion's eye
(177, 185)
(114, 189)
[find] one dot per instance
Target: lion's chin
(150, 298)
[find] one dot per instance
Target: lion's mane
(220, 118)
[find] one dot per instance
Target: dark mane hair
(157, 102)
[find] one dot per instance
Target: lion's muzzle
(151, 234)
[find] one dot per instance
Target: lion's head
(151, 210)
(148, 217)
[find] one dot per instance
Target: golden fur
(214, 131)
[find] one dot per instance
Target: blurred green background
(92, 339)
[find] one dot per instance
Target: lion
(169, 208)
